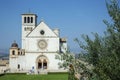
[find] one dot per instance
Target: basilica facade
(40, 45)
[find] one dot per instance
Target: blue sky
(72, 17)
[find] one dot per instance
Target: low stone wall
(3, 69)
(4, 66)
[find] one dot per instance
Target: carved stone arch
(42, 62)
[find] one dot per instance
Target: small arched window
(13, 52)
(18, 66)
(24, 19)
(28, 19)
(31, 19)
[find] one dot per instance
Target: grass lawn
(34, 77)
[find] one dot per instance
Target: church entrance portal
(39, 64)
(45, 64)
(42, 62)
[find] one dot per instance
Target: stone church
(40, 45)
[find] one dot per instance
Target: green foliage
(104, 52)
(67, 60)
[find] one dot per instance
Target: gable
(42, 30)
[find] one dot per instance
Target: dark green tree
(104, 52)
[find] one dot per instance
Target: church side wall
(14, 62)
(22, 62)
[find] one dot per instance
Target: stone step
(42, 72)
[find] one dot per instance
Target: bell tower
(29, 22)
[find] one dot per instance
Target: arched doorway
(39, 64)
(42, 62)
